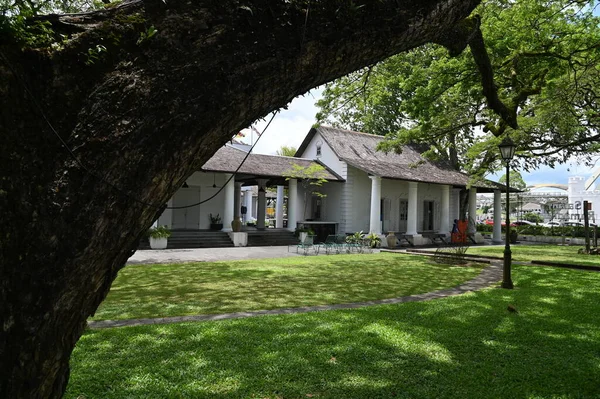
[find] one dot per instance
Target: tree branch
(490, 90)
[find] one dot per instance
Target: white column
(497, 237)
(248, 203)
(445, 216)
(292, 207)
(472, 210)
(456, 210)
(279, 208)
(237, 200)
(228, 204)
(411, 222)
(261, 213)
(374, 222)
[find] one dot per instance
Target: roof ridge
(352, 131)
(235, 148)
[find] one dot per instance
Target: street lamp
(507, 150)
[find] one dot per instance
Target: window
(403, 210)
(428, 213)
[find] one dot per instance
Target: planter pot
(391, 240)
(302, 236)
(216, 226)
(158, 243)
(236, 225)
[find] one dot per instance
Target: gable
(328, 157)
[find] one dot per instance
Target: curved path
(488, 276)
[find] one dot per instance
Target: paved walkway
(208, 254)
(489, 276)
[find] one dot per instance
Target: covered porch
(221, 187)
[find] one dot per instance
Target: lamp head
(507, 148)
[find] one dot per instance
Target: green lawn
(551, 253)
(468, 346)
(220, 287)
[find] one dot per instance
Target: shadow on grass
(222, 287)
(468, 346)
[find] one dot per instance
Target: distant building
(577, 194)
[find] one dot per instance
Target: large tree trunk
(139, 118)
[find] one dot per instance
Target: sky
(291, 126)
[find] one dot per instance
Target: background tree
(545, 62)
(311, 178)
(286, 151)
(516, 180)
(533, 217)
(104, 115)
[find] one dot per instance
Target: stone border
(566, 265)
(488, 276)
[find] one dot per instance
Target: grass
(468, 346)
(142, 291)
(551, 253)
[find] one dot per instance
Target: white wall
(330, 210)
(357, 218)
(200, 188)
(357, 211)
(328, 157)
(396, 190)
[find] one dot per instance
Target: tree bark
(138, 118)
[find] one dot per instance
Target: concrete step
(271, 238)
(194, 239)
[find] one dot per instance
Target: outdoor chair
(366, 246)
(341, 244)
(307, 245)
(330, 245)
(354, 246)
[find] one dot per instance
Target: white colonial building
(579, 191)
(366, 189)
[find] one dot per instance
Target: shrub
(159, 232)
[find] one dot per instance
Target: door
(186, 218)
(317, 207)
(428, 215)
(402, 215)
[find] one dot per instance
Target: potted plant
(215, 222)
(303, 232)
(374, 240)
(158, 237)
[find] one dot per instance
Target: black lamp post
(507, 150)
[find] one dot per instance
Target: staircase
(271, 237)
(198, 239)
(217, 239)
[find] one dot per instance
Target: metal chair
(307, 245)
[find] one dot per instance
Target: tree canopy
(545, 60)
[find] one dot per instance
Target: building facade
(362, 189)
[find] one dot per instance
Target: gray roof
(228, 159)
(359, 150)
